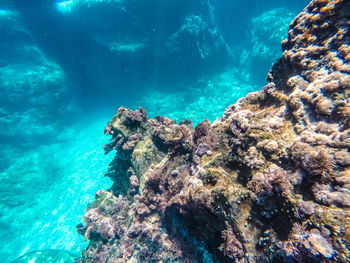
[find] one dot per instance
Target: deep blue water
(65, 68)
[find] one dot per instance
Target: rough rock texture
(268, 182)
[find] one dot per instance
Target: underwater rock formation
(266, 33)
(29, 79)
(182, 39)
(267, 182)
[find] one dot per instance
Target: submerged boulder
(267, 182)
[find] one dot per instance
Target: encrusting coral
(267, 182)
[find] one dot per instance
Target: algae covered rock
(267, 182)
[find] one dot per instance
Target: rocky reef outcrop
(267, 182)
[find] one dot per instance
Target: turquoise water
(64, 71)
(47, 256)
(45, 191)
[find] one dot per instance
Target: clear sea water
(66, 67)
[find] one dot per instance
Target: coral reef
(267, 182)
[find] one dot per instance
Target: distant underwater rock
(33, 89)
(166, 46)
(267, 30)
(47, 256)
(267, 182)
(181, 39)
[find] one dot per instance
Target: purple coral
(273, 181)
(132, 140)
(231, 246)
